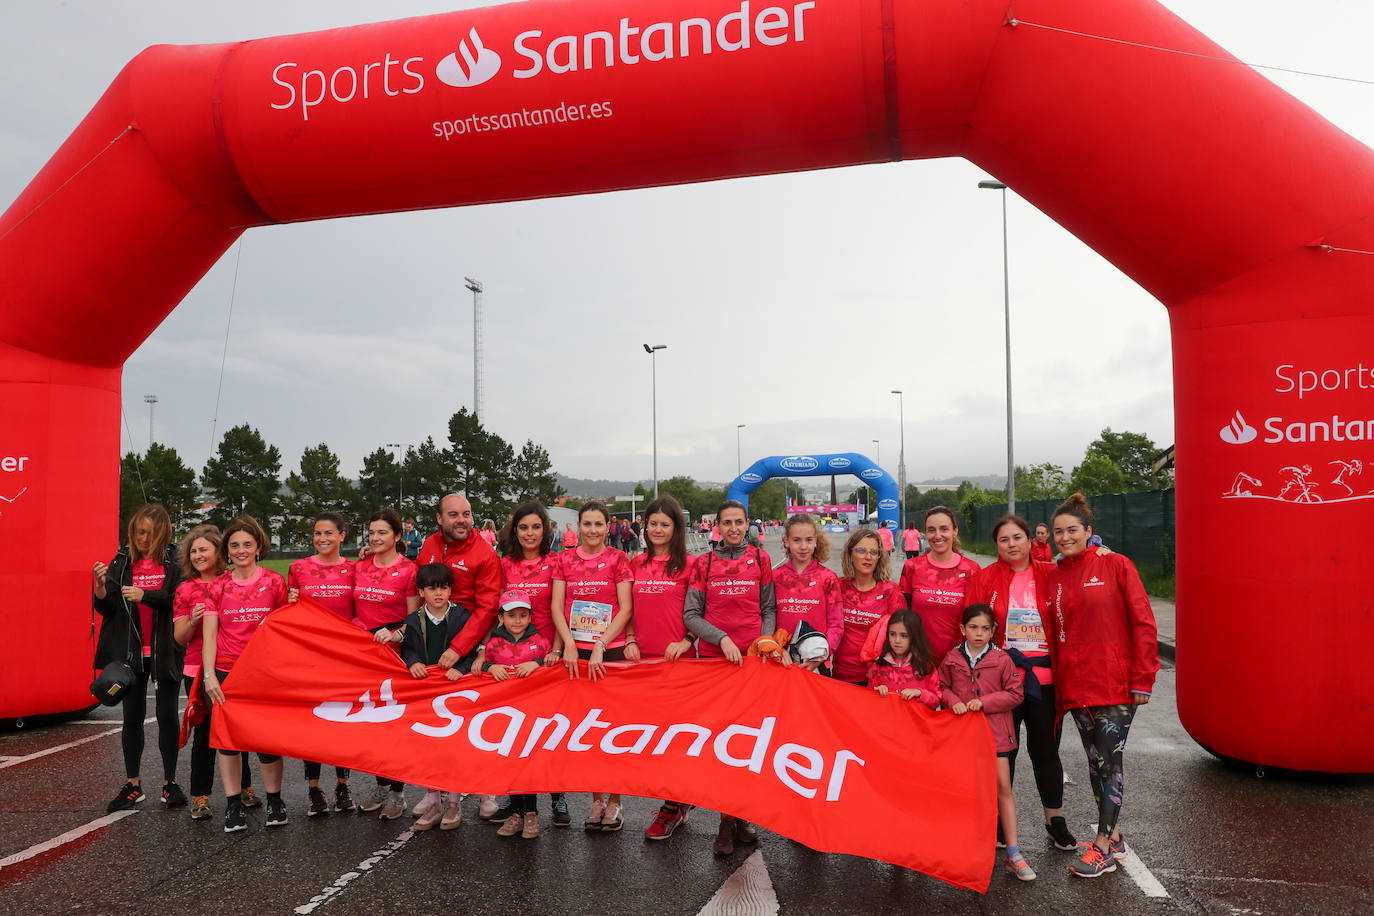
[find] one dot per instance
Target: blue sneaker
(1094, 863)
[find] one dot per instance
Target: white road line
(366, 865)
(76, 834)
(748, 892)
(15, 761)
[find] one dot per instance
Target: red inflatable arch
(1223, 196)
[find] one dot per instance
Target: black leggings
(1042, 744)
(203, 757)
(168, 722)
(312, 771)
(523, 804)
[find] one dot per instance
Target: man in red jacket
(476, 573)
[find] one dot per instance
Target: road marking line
(15, 761)
(366, 865)
(76, 834)
(748, 892)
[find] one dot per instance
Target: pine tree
(160, 476)
(317, 487)
(533, 477)
(242, 479)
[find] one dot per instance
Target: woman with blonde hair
(134, 597)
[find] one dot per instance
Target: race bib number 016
(588, 620)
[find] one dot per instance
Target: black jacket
(113, 644)
(413, 643)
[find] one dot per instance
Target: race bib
(588, 620)
(1025, 630)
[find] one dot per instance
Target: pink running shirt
(936, 593)
(861, 611)
(189, 594)
(331, 584)
(380, 592)
(241, 606)
(593, 578)
(658, 600)
(535, 578)
(148, 575)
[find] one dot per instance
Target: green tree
(917, 502)
(696, 500)
(1133, 454)
(242, 478)
(1040, 481)
(160, 476)
(317, 487)
(483, 461)
(429, 477)
(1097, 475)
(971, 496)
(379, 485)
(533, 477)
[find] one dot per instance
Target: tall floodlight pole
(653, 360)
(738, 466)
(878, 452)
(476, 287)
(1006, 315)
(150, 400)
(400, 473)
(901, 459)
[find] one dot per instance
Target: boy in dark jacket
(428, 632)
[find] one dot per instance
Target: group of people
(1022, 641)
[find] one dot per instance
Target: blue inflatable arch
(860, 466)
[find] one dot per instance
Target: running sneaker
(343, 800)
(512, 825)
(488, 808)
(423, 807)
(613, 819)
(172, 796)
(1117, 847)
(531, 828)
(595, 813)
(200, 808)
(249, 798)
(276, 811)
(669, 818)
(395, 806)
(234, 817)
(1060, 837)
(318, 805)
(374, 800)
(430, 817)
(128, 796)
(1019, 867)
(561, 818)
(453, 813)
(1094, 863)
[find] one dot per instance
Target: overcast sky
(877, 277)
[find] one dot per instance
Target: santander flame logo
(482, 63)
(1238, 432)
(388, 711)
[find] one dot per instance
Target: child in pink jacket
(515, 649)
(977, 676)
(905, 666)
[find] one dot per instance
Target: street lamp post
(653, 359)
(738, 467)
(901, 459)
(475, 286)
(878, 452)
(1006, 314)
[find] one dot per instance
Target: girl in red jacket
(1105, 653)
(974, 676)
(905, 667)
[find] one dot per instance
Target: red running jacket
(476, 582)
(1101, 630)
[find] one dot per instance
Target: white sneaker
(453, 813)
(488, 807)
(430, 801)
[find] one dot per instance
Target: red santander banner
(805, 756)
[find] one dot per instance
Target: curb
(1166, 652)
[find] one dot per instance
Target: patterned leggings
(1104, 730)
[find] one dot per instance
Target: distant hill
(608, 489)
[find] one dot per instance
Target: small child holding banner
(977, 676)
(515, 649)
(905, 666)
(428, 632)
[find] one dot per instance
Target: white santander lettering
(455, 721)
(762, 736)
(515, 719)
(785, 764)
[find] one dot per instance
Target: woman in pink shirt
(934, 582)
(867, 594)
(660, 588)
(591, 608)
(384, 594)
(134, 597)
(201, 567)
(243, 599)
(327, 577)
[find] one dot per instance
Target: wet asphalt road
(1214, 838)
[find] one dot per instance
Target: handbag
(117, 678)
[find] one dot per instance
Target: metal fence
(1140, 525)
